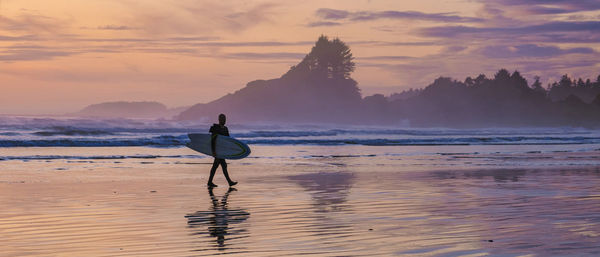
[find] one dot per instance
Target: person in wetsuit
(218, 129)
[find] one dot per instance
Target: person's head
(222, 119)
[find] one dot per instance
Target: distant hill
(320, 90)
(124, 109)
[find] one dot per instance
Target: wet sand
(326, 207)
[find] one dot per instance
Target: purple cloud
(342, 15)
(550, 7)
(32, 23)
(546, 10)
(323, 24)
(252, 43)
(386, 58)
(31, 55)
(331, 14)
(531, 50)
(194, 38)
(455, 49)
(571, 38)
(412, 15)
(115, 27)
(487, 32)
(19, 38)
(263, 56)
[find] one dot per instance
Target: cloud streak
(194, 17)
(32, 23)
(335, 17)
(264, 56)
(31, 55)
(386, 58)
(531, 50)
(324, 24)
(544, 7)
(18, 38)
(486, 32)
(115, 27)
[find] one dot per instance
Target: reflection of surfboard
(231, 216)
(225, 147)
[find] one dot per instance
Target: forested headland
(320, 89)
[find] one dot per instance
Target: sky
(59, 56)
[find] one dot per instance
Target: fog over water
(24, 131)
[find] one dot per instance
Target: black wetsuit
(215, 130)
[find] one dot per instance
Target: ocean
(43, 132)
(166, 139)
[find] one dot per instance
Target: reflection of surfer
(218, 129)
(218, 218)
(219, 222)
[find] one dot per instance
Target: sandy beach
(330, 205)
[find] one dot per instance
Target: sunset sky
(59, 56)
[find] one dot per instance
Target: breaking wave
(79, 132)
(181, 140)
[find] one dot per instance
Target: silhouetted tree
(330, 58)
(537, 86)
(586, 91)
(318, 89)
(480, 80)
(405, 94)
(502, 76)
(565, 81)
(518, 81)
(469, 81)
(505, 100)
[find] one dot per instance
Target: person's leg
(224, 167)
(215, 165)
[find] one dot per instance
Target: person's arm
(213, 139)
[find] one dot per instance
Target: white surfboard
(225, 147)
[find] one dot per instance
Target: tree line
(320, 89)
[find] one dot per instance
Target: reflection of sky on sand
(219, 221)
(327, 210)
(439, 213)
(549, 212)
(328, 190)
(458, 212)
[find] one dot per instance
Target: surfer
(218, 129)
